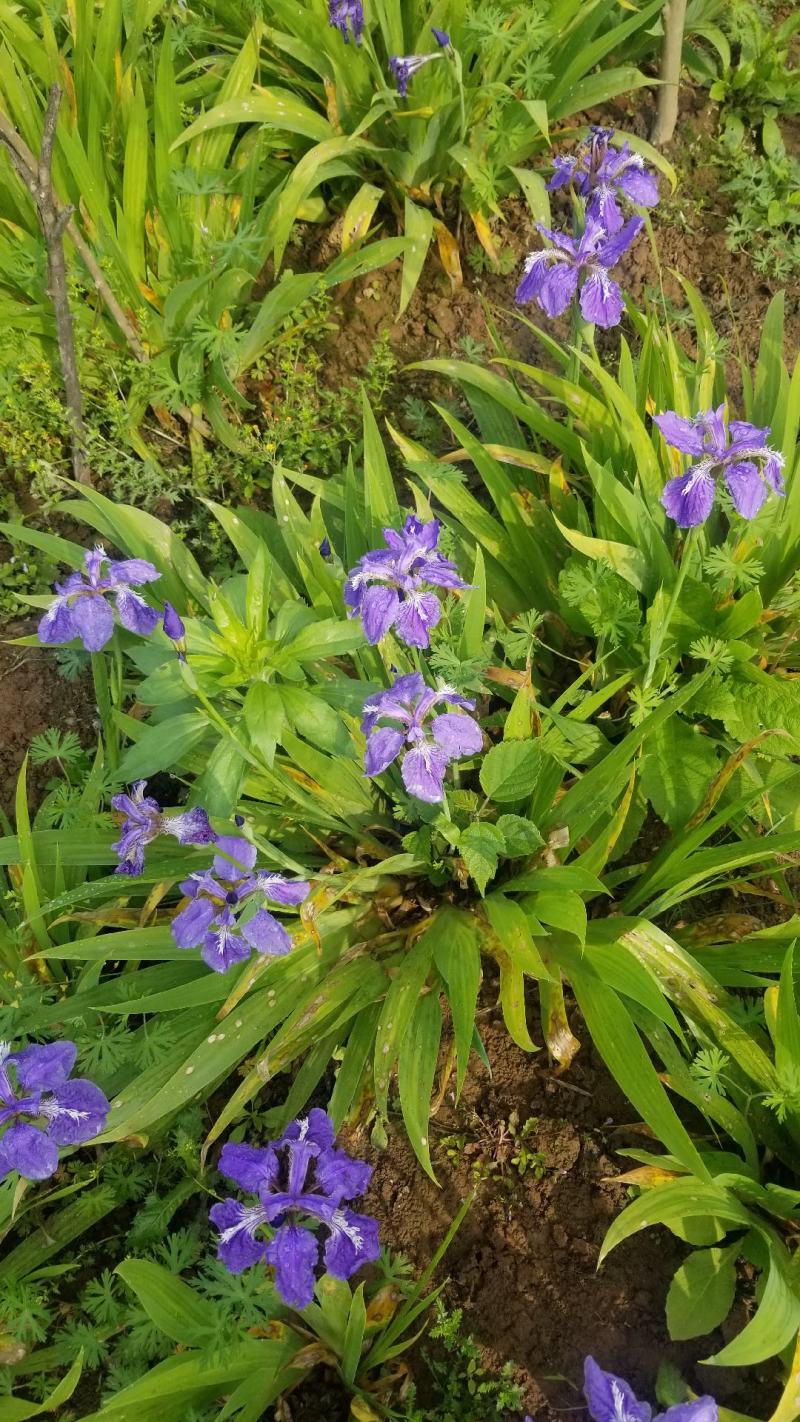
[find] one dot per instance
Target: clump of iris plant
(611, 1399)
(41, 1109)
(144, 820)
(82, 608)
(601, 175)
(347, 13)
(390, 587)
(430, 742)
(405, 66)
(302, 1183)
(555, 274)
(217, 918)
(738, 454)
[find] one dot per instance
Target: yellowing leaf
(359, 214)
(362, 1411)
(645, 1176)
(332, 105)
(383, 1306)
(484, 234)
(448, 253)
(69, 85)
(312, 1356)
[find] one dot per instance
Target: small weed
(500, 1152)
(305, 424)
(463, 1388)
(480, 261)
(421, 421)
(765, 222)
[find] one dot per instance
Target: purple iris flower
(402, 571)
(302, 1181)
(433, 742)
(553, 274)
(441, 36)
(405, 66)
(173, 624)
(34, 1089)
(611, 1399)
(344, 12)
(144, 820)
(739, 454)
(214, 922)
(601, 174)
(82, 610)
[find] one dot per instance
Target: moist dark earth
(524, 1264)
(32, 697)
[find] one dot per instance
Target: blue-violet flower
(405, 66)
(41, 1110)
(739, 454)
(302, 1182)
(81, 608)
(553, 274)
(433, 742)
(173, 623)
(441, 36)
(144, 820)
(214, 920)
(402, 571)
(611, 1399)
(601, 174)
(344, 12)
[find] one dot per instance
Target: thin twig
(27, 167)
(37, 176)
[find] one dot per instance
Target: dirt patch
(690, 236)
(33, 696)
(320, 1397)
(524, 1264)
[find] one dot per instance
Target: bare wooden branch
(27, 168)
(37, 175)
(101, 286)
(45, 163)
(674, 20)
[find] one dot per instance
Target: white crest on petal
(620, 1407)
(251, 1217)
(50, 1108)
(341, 1225)
(534, 258)
(699, 474)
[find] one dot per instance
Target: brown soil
(524, 1264)
(33, 696)
(690, 234)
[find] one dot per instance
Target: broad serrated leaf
(520, 836)
(480, 846)
(509, 771)
(678, 766)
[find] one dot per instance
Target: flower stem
(459, 73)
(102, 696)
(660, 632)
(581, 333)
